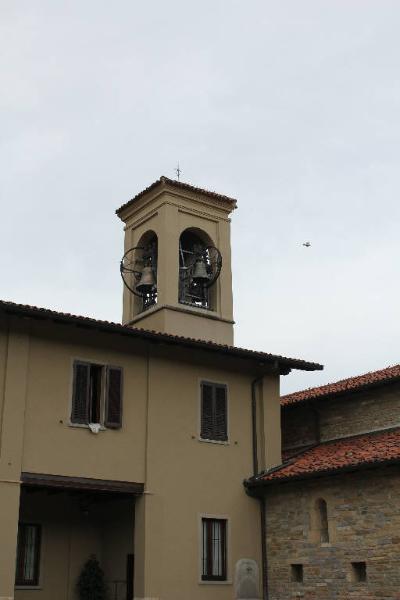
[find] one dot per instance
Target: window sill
(28, 587)
(86, 426)
(220, 442)
(211, 582)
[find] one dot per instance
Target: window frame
(225, 579)
(214, 384)
(103, 393)
(20, 582)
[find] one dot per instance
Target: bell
(147, 281)
(200, 274)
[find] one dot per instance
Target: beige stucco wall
(187, 478)
(15, 358)
(3, 363)
(53, 446)
(192, 322)
(158, 445)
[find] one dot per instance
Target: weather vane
(178, 172)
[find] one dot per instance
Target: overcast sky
(291, 107)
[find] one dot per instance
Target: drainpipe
(264, 556)
(264, 561)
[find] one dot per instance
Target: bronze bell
(200, 274)
(147, 281)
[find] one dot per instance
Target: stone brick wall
(299, 427)
(361, 412)
(364, 526)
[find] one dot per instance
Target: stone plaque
(247, 579)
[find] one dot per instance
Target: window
(28, 554)
(97, 395)
(323, 521)
(213, 550)
(214, 424)
(358, 572)
(296, 573)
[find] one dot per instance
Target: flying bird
(307, 244)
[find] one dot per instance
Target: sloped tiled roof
(24, 310)
(367, 449)
(182, 186)
(345, 385)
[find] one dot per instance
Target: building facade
(131, 442)
(333, 506)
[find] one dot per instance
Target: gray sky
(291, 107)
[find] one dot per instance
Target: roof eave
(166, 182)
(340, 393)
(255, 486)
(280, 363)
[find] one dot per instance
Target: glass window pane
(213, 549)
(29, 558)
(216, 566)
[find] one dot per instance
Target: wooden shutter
(206, 412)
(220, 416)
(114, 398)
(80, 397)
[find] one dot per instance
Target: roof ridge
(183, 186)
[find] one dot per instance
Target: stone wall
(299, 426)
(364, 526)
(370, 410)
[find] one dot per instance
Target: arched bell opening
(199, 267)
(139, 271)
(147, 255)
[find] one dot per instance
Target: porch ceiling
(63, 482)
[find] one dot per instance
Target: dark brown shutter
(206, 412)
(80, 397)
(220, 419)
(114, 398)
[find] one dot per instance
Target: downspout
(264, 561)
(263, 517)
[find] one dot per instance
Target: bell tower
(177, 261)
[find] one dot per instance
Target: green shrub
(91, 584)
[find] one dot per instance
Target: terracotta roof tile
(180, 185)
(361, 450)
(26, 310)
(345, 385)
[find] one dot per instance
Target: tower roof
(179, 185)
